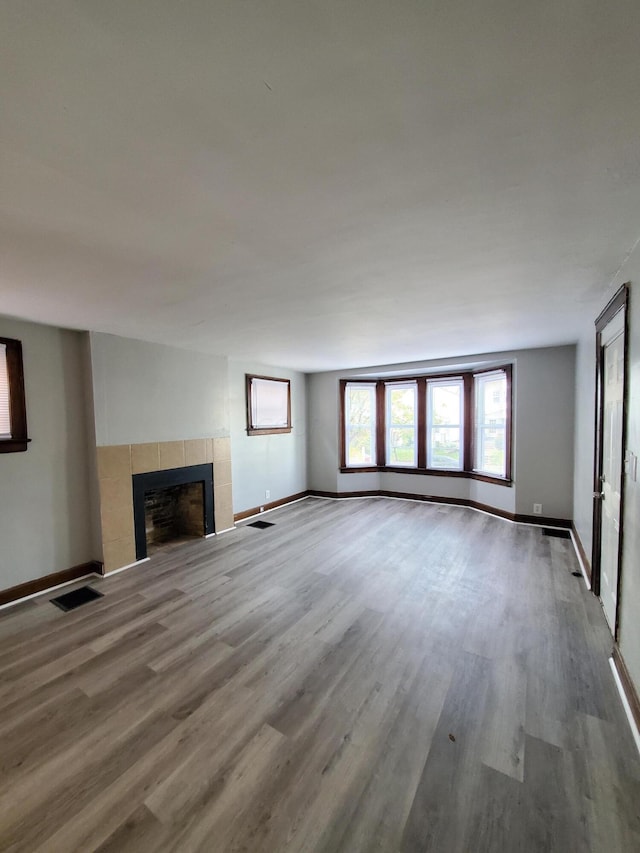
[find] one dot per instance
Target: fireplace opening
(171, 505)
(172, 514)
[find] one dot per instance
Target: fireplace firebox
(152, 493)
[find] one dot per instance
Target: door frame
(619, 302)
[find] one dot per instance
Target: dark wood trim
(342, 446)
(17, 401)
(428, 472)
(619, 302)
(544, 520)
(14, 593)
(508, 434)
(256, 510)
(627, 684)
(380, 424)
(467, 415)
(257, 430)
(421, 414)
(583, 554)
(597, 468)
(625, 410)
(321, 493)
(273, 431)
(14, 445)
(538, 520)
(488, 478)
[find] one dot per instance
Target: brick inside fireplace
(173, 513)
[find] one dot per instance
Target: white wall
(277, 463)
(583, 482)
(150, 392)
(45, 519)
(630, 607)
(584, 437)
(544, 392)
(543, 415)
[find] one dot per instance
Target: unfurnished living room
(319, 426)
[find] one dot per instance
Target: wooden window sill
(430, 472)
(14, 445)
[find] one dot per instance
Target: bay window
(446, 425)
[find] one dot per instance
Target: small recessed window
(13, 415)
(268, 405)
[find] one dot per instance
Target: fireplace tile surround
(117, 464)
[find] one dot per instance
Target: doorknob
(599, 496)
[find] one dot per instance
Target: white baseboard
(124, 568)
(580, 563)
(625, 704)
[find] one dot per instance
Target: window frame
(507, 423)
(253, 428)
(18, 441)
(345, 425)
(432, 382)
(389, 385)
(468, 431)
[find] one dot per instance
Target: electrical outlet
(537, 509)
(261, 509)
(267, 495)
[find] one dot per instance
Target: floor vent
(559, 534)
(261, 525)
(76, 598)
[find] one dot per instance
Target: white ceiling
(318, 184)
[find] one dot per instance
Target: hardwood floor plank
(450, 775)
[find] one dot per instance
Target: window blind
(5, 418)
(269, 403)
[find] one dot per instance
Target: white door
(611, 485)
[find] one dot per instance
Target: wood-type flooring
(366, 675)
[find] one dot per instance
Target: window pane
(269, 403)
(490, 423)
(360, 447)
(445, 448)
(360, 405)
(402, 405)
(401, 424)
(491, 451)
(360, 424)
(5, 421)
(402, 446)
(445, 404)
(444, 424)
